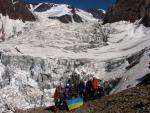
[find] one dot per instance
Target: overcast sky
(83, 4)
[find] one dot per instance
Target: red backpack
(95, 84)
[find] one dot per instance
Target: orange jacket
(95, 84)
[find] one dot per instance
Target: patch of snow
(85, 15)
(104, 11)
(32, 8)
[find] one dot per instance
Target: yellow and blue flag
(74, 103)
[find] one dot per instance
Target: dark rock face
(64, 19)
(129, 10)
(134, 59)
(16, 10)
(76, 17)
(69, 18)
(145, 80)
(96, 13)
(43, 7)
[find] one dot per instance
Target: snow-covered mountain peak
(57, 11)
(64, 12)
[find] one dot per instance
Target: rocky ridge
(99, 14)
(69, 18)
(15, 10)
(129, 10)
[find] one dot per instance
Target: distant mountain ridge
(66, 13)
(15, 9)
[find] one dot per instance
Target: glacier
(36, 55)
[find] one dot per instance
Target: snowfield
(37, 54)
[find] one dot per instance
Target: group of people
(91, 89)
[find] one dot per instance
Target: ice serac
(24, 79)
(15, 10)
(9, 28)
(129, 10)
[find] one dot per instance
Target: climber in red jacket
(56, 97)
